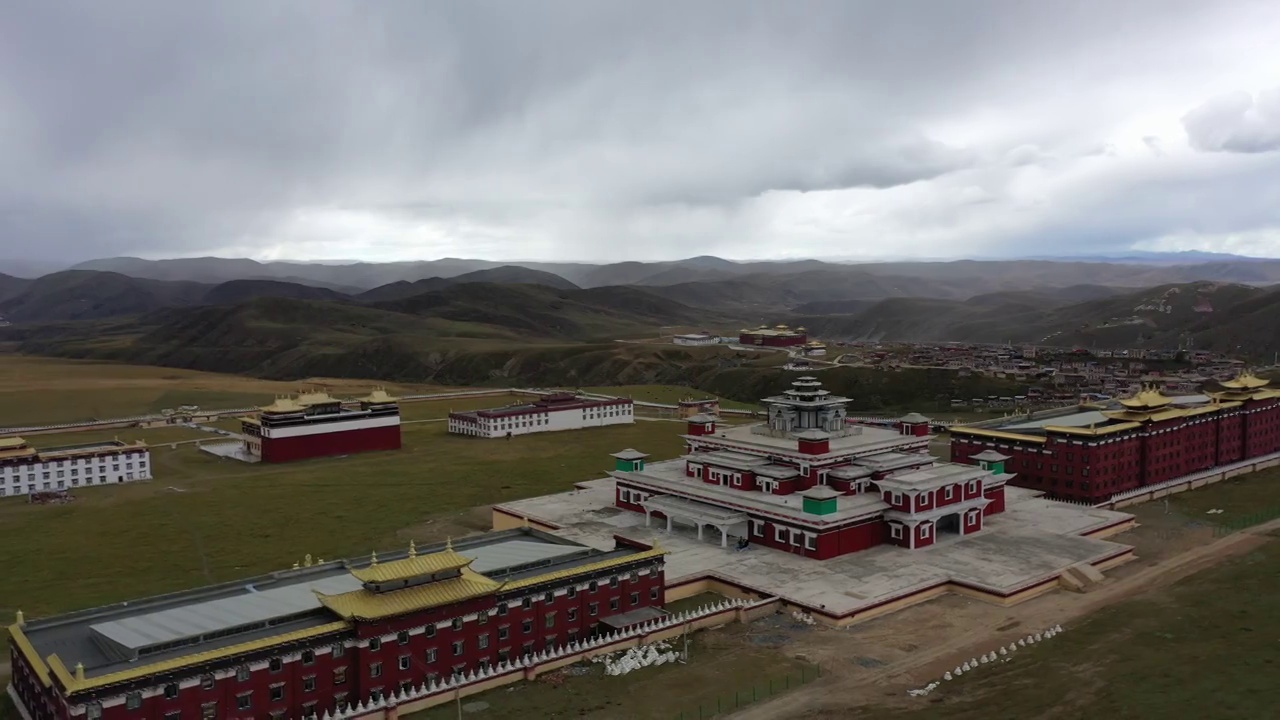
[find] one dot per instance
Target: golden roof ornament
(373, 558)
(413, 548)
(79, 671)
(20, 619)
(295, 565)
(306, 561)
(448, 543)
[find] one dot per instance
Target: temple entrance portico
(700, 515)
(949, 525)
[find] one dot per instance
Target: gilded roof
(368, 605)
(17, 452)
(1148, 397)
(411, 567)
(9, 443)
(1104, 430)
(1000, 434)
(1245, 381)
(378, 396)
(307, 399)
(283, 405)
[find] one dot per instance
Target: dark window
(430, 630)
(457, 623)
(244, 702)
(207, 682)
(375, 644)
(276, 665)
(549, 598)
(242, 673)
(593, 609)
(635, 598)
(309, 683)
(572, 614)
(502, 608)
(504, 632)
(171, 690)
(375, 669)
(613, 604)
(653, 594)
(403, 637)
(458, 647)
(404, 662)
(339, 675)
(526, 627)
(308, 657)
(277, 692)
(572, 592)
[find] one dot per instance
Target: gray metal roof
(513, 553)
(1080, 419)
(197, 619)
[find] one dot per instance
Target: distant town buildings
(1091, 452)
(695, 339)
(25, 470)
(314, 424)
(560, 411)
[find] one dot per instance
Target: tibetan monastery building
(776, 336)
(810, 483)
(558, 411)
(1091, 452)
(304, 642)
(317, 425)
(25, 470)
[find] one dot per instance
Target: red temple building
(776, 336)
(304, 642)
(1094, 451)
(317, 425)
(809, 482)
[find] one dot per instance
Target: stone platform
(1020, 552)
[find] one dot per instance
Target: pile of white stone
(1001, 655)
(801, 616)
(637, 657)
(1215, 511)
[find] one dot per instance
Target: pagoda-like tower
(807, 406)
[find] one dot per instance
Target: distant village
(1053, 375)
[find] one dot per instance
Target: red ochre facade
(298, 679)
(302, 447)
(1094, 468)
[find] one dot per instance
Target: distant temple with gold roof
(1092, 452)
(776, 336)
(315, 424)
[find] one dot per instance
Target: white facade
(541, 419)
(697, 339)
(333, 426)
(62, 471)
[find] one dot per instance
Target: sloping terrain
(85, 295)
(238, 291)
(1203, 314)
(11, 286)
(507, 274)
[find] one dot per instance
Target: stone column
(724, 537)
(699, 532)
(648, 515)
(668, 523)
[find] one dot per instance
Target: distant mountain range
(285, 318)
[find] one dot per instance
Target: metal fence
(1246, 521)
(757, 692)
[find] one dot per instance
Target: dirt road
(952, 629)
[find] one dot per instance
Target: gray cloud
(598, 130)
(1236, 122)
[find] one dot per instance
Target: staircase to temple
(1081, 578)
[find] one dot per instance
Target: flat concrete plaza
(1030, 543)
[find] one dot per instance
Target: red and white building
(25, 470)
(304, 642)
(559, 411)
(776, 336)
(317, 425)
(812, 484)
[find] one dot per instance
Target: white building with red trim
(24, 470)
(560, 411)
(810, 483)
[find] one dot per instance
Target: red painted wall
(276, 450)
(996, 496)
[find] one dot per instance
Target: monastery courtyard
(1021, 551)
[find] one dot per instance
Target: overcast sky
(601, 131)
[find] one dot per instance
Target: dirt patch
(919, 644)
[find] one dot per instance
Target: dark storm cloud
(419, 129)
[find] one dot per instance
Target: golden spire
(373, 558)
(306, 561)
(448, 543)
(295, 565)
(524, 521)
(20, 619)
(413, 548)
(79, 671)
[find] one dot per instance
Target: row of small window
(54, 464)
(60, 485)
(596, 413)
(787, 536)
(16, 473)
(948, 493)
(633, 496)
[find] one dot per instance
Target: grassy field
(227, 520)
(152, 436)
(721, 662)
(35, 391)
(1206, 649)
(666, 394)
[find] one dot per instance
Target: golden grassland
(205, 519)
(36, 390)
